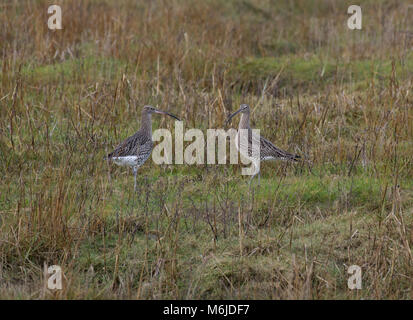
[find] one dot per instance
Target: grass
(339, 98)
(312, 72)
(93, 68)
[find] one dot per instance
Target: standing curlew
(135, 150)
(267, 151)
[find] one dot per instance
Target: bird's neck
(146, 124)
(244, 122)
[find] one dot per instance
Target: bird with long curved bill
(136, 149)
(267, 150)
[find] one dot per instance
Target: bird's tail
(296, 157)
(290, 156)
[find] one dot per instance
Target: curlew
(267, 150)
(135, 150)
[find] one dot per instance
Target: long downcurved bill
(232, 115)
(167, 113)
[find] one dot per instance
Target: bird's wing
(269, 151)
(128, 147)
(133, 146)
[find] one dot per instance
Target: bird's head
(150, 109)
(244, 108)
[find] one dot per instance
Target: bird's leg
(252, 179)
(253, 176)
(135, 171)
(259, 178)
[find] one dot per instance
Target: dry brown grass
(340, 98)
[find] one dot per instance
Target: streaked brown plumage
(136, 149)
(267, 150)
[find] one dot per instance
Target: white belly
(130, 161)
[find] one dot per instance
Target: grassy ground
(340, 98)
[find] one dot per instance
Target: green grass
(294, 71)
(339, 99)
(96, 68)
